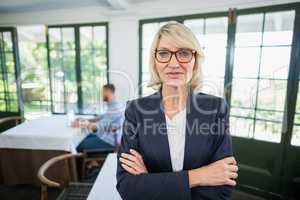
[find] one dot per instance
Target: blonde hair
(182, 37)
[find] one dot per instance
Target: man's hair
(110, 87)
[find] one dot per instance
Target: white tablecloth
(105, 184)
(45, 133)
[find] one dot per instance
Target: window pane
(267, 131)
(93, 67)
(55, 59)
(55, 38)
(213, 85)
(10, 63)
(214, 62)
(297, 116)
(269, 115)
(212, 36)
(279, 28)
(145, 60)
(243, 112)
(2, 105)
(11, 82)
(86, 37)
(244, 93)
(68, 38)
(100, 59)
(8, 84)
(296, 136)
(8, 44)
(249, 30)
(62, 63)
(13, 106)
(99, 39)
(296, 129)
(70, 80)
(216, 32)
(34, 71)
(197, 26)
(271, 94)
(149, 31)
(275, 62)
(241, 127)
(246, 62)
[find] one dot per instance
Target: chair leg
(44, 192)
(83, 167)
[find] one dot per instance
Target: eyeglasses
(182, 55)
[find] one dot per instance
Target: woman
(176, 143)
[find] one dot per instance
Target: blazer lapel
(159, 136)
(190, 109)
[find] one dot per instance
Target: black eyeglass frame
(194, 52)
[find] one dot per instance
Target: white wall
(123, 57)
(123, 29)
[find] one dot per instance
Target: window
(8, 83)
(261, 62)
(34, 71)
(78, 63)
(63, 71)
(93, 66)
(148, 31)
(212, 35)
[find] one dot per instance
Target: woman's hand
(133, 163)
(221, 172)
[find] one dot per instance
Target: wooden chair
(17, 119)
(98, 155)
(72, 190)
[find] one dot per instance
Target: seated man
(106, 129)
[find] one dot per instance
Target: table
(24, 148)
(105, 184)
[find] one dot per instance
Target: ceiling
(68, 11)
(10, 6)
(13, 6)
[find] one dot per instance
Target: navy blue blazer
(207, 140)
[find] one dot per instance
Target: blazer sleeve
(223, 144)
(159, 186)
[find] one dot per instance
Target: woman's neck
(174, 98)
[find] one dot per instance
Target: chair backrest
(17, 119)
(43, 169)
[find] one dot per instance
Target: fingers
(135, 153)
(129, 169)
(231, 182)
(233, 175)
(129, 163)
(131, 158)
(233, 168)
(134, 161)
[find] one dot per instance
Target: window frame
(294, 67)
(17, 75)
(77, 59)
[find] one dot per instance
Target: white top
(45, 133)
(105, 184)
(176, 135)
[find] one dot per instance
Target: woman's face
(173, 73)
